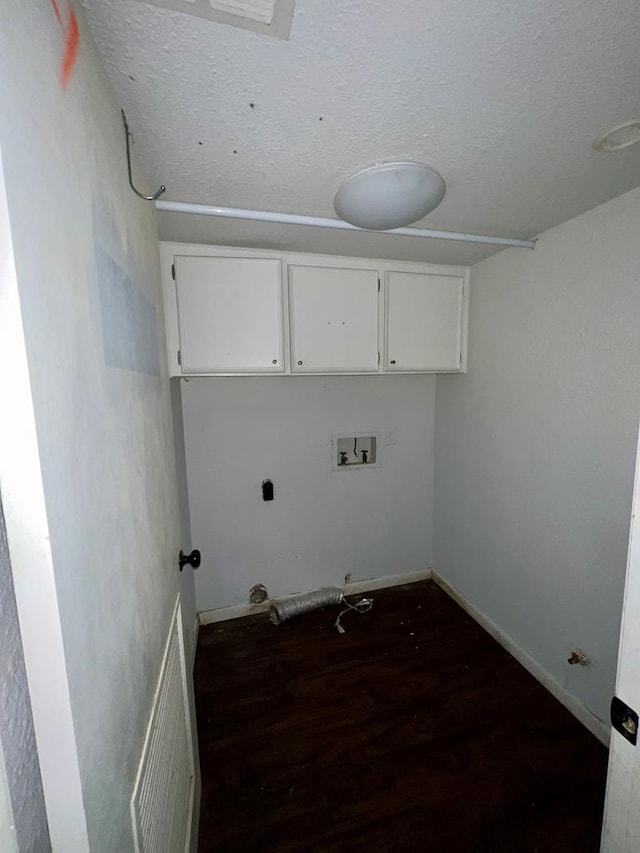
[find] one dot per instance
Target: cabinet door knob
(393, 361)
(299, 362)
(275, 361)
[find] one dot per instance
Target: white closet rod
(319, 222)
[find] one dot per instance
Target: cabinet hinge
(179, 358)
(173, 271)
(378, 359)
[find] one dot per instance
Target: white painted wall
(86, 257)
(32, 566)
(322, 523)
(535, 446)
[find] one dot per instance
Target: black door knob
(193, 559)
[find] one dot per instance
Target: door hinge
(179, 358)
(624, 720)
(173, 271)
(378, 359)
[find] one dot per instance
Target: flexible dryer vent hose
(290, 607)
(298, 604)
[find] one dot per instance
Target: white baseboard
(237, 611)
(386, 581)
(595, 725)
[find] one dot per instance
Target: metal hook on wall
(127, 134)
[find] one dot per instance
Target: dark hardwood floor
(414, 731)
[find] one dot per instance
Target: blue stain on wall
(129, 323)
(128, 317)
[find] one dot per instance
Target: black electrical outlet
(267, 490)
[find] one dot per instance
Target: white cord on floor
(362, 606)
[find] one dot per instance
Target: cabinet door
(424, 322)
(334, 319)
(229, 314)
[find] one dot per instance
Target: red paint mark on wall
(70, 49)
(56, 9)
(72, 39)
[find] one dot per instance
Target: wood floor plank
(414, 731)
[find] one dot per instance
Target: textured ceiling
(503, 97)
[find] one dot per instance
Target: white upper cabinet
(334, 319)
(232, 311)
(229, 314)
(424, 322)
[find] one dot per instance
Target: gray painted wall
(535, 446)
(187, 586)
(86, 255)
(322, 524)
(8, 841)
(20, 770)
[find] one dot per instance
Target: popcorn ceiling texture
(17, 739)
(503, 98)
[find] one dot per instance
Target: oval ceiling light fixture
(389, 195)
(619, 137)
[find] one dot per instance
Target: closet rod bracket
(128, 137)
